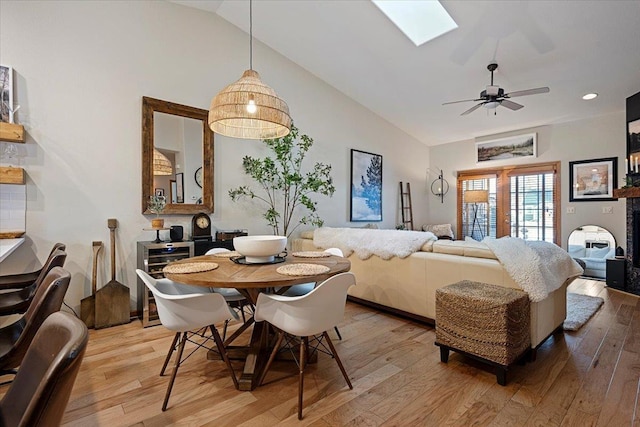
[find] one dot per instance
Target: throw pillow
(440, 230)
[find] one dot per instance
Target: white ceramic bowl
(259, 249)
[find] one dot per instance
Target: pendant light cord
(251, 34)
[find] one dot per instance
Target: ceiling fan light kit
(494, 96)
(248, 108)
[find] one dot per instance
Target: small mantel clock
(200, 226)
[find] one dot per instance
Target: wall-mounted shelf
(11, 132)
(11, 175)
(621, 193)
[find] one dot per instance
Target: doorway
(517, 201)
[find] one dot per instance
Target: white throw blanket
(367, 242)
(538, 267)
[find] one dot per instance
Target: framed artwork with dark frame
(6, 94)
(180, 187)
(159, 191)
(632, 164)
(593, 180)
(366, 186)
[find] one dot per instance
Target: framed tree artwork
(366, 186)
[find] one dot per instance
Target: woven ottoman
(486, 322)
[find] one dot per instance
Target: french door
(518, 201)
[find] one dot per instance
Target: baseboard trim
(394, 311)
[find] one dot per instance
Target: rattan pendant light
(161, 165)
(248, 108)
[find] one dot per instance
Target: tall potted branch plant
(285, 186)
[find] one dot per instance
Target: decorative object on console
(440, 187)
(593, 180)
(176, 233)
(156, 205)
(248, 108)
(283, 177)
(493, 96)
(200, 226)
(511, 147)
(474, 197)
(366, 186)
(619, 252)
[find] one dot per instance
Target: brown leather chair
(40, 391)
(22, 280)
(16, 337)
(17, 301)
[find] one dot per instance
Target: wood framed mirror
(179, 135)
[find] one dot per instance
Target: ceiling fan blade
(510, 105)
(472, 109)
(527, 92)
(465, 100)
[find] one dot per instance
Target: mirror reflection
(590, 246)
(177, 157)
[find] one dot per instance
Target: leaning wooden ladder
(405, 204)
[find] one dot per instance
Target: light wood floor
(583, 378)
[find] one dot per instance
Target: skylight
(419, 20)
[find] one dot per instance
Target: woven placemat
(227, 254)
(190, 267)
(311, 254)
(302, 269)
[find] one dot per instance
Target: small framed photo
(173, 191)
(6, 94)
(366, 186)
(512, 147)
(633, 147)
(180, 187)
(593, 180)
(159, 191)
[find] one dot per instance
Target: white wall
(81, 69)
(594, 138)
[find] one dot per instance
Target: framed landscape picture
(512, 147)
(593, 180)
(366, 186)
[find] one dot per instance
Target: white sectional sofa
(408, 285)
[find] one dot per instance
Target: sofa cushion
(463, 248)
(306, 234)
(440, 230)
(577, 251)
(600, 252)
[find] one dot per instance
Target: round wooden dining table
(251, 280)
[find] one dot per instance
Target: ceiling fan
(494, 96)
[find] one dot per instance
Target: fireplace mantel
(622, 193)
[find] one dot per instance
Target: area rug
(580, 308)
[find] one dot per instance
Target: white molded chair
(234, 298)
(305, 288)
(189, 314)
(307, 316)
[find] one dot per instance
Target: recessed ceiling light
(419, 20)
(590, 96)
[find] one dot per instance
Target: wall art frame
(180, 187)
(366, 187)
(509, 148)
(593, 180)
(6, 94)
(632, 164)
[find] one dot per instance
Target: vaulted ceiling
(573, 47)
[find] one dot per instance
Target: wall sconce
(440, 187)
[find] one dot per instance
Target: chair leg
(183, 341)
(224, 330)
(304, 342)
(271, 357)
(338, 333)
(223, 353)
(335, 355)
(171, 350)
